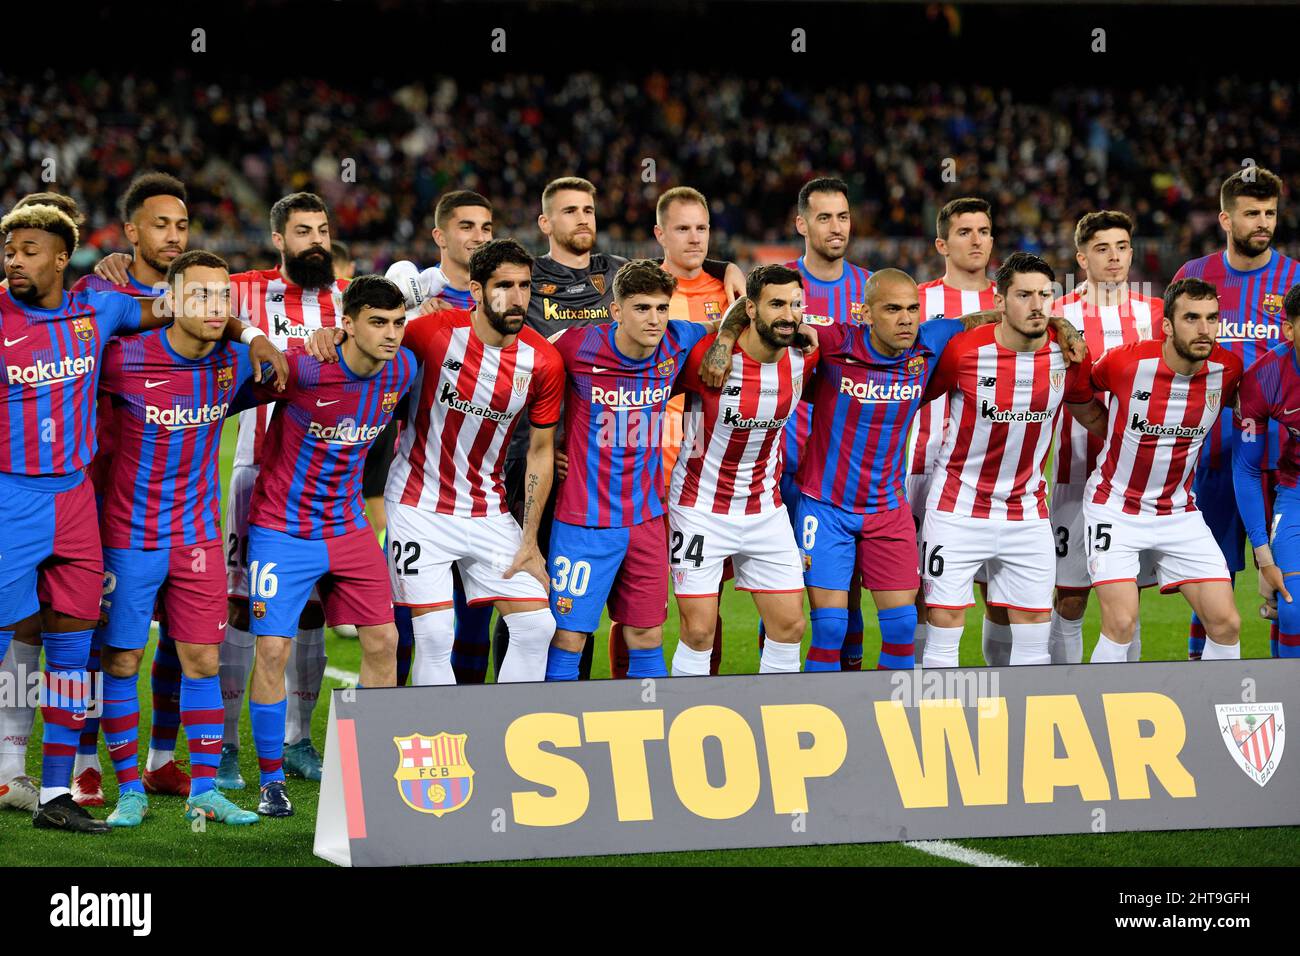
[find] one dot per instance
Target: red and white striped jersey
(731, 456)
(288, 314)
(1004, 404)
(1135, 319)
(1158, 422)
(940, 301)
(467, 398)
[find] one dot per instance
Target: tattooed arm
(538, 472)
(717, 360)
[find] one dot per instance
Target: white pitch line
(955, 851)
(346, 677)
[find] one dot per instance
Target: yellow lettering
(739, 791)
(982, 781)
(523, 741)
(1080, 767)
(790, 765)
(626, 732)
(1132, 753)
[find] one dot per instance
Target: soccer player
(1109, 313)
(161, 525)
(834, 290)
(963, 235)
(988, 502)
(725, 500)
(608, 543)
(1270, 392)
(1165, 399)
(53, 343)
(1251, 278)
(345, 267)
(287, 303)
(307, 529)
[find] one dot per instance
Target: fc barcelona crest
(1212, 400)
(916, 365)
(1254, 735)
(666, 366)
(856, 309)
(84, 328)
(1058, 381)
(1271, 303)
(259, 609)
(564, 604)
(598, 283)
(521, 383)
(432, 773)
(225, 377)
(390, 401)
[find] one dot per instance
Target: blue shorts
(626, 568)
(187, 583)
(350, 569)
(1217, 502)
(834, 541)
(790, 497)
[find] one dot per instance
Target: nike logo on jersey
(1290, 411)
(149, 384)
(320, 404)
(12, 342)
(596, 370)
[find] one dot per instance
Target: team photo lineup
(563, 436)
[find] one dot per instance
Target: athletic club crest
(432, 773)
(666, 366)
(84, 328)
(916, 365)
(1254, 735)
(259, 609)
(225, 377)
(390, 401)
(1058, 381)
(1212, 400)
(598, 283)
(564, 604)
(1271, 303)
(521, 383)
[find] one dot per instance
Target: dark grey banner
(447, 774)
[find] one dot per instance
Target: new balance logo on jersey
(49, 373)
(622, 398)
(1247, 331)
(875, 392)
(987, 381)
(175, 418)
(452, 398)
(994, 414)
(732, 418)
(1142, 396)
(1144, 427)
(344, 433)
(453, 365)
(731, 390)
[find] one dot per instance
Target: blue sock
(6, 638)
(562, 664)
(851, 653)
(268, 735)
(165, 682)
(121, 724)
(646, 662)
(64, 707)
(204, 717)
(469, 652)
(829, 625)
(897, 638)
(1195, 639)
(405, 643)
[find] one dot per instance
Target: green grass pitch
(168, 839)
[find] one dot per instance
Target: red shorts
(887, 551)
(187, 583)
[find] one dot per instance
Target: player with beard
(573, 287)
(287, 303)
(1252, 278)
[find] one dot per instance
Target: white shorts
(918, 490)
(1180, 546)
(1018, 556)
(762, 549)
(422, 545)
(1070, 533)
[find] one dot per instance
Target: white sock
(303, 673)
(80, 764)
(779, 658)
(1135, 646)
(1108, 652)
(941, 646)
(434, 634)
(1066, 642)
(236, 662)
(918, 635)
(22, 661)
(530, 642)
(996, 640)
(1029, 643)
(688, 662)
(50, 793)
(1215, 651)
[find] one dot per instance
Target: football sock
(688, 662)
(473, 640)
(530, 636)
(941, 646)
(405, 643)
(268, 737)
(236, 660)
(63, 707)
(88, 746)
(303, 674)
(851, 652)
(562, 664)
(646, 662)
(1066, 643)
(1274, 639)
(586, 658)
(1135, 645)
(434, 634)
(1029, 643)
(829, 625)
(715, 655)
(897, 630)
(617, 651)
(165, 681)
(122, 729)
(918, 637)
(1108, 652)
(1215, 651)
(996, 640)
(16, 720)
(203, 716)
(1195, 639)
(779, 658)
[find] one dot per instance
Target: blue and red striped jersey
(1250, 323)
(1270, 392)
(823, 303)
(52, 360)
(162, 487)
(315, 449)
(614, 424)
(863, 406)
